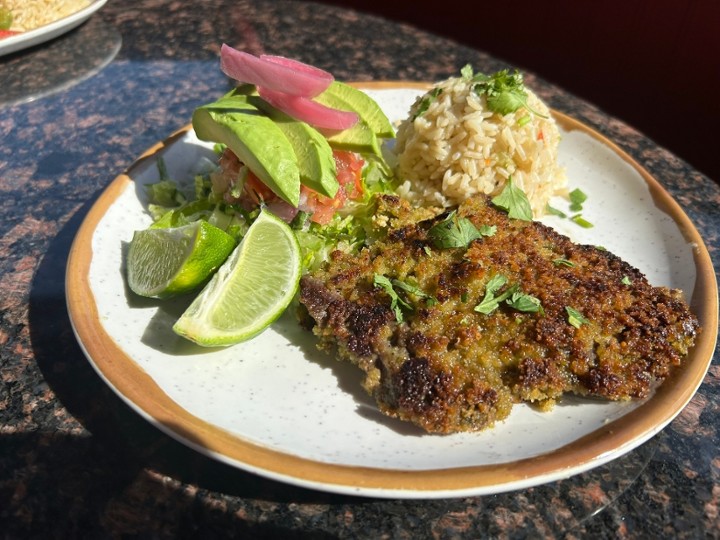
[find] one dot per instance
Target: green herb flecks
(512, 296)
(584, 223)
(455, 232)
(563, 262)
(525, 303)
(504, 91)
(577, 198)
(513, 200)
(490, 302)
(487, 230)
(626, 281)
(467, 72)
(398, 304)
(417, 291)
(554, 211)
(575, 318)
(426, 101)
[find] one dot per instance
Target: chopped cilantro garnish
(454, 232)
(581, 221)
(513, 200)
(626, 281)
(495, 283)
(563, 262)
(524, 302)
(504, 91)
(417, 291)
(467, 72)
(397, 303)
(512, 296)
(487, 305)
(490, 303)
(575, 318)
(487, 230)
(426, 101)
(577, 198)
(554, 211)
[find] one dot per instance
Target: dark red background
(652, 63)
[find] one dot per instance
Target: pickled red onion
(297, 66)
(309, 111)
(274, 72)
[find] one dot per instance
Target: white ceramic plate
(49, 31)
(278, 407)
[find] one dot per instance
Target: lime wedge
(164, 262)
(250, 290)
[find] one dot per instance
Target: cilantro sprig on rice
(504, 91)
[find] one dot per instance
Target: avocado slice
(315, 160)
(256, 140)
(363, 105)
(360, 138)
(314, 155)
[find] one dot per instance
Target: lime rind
(172, 261)
(249, 291)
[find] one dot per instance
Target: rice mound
(458, 148)
(31, 14)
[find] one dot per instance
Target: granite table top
(77, 461)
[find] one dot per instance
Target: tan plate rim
(136, 387)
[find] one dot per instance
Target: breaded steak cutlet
(451, 337)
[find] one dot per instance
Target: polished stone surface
(76, 461)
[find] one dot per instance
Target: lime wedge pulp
(250, 290)
(163, 262)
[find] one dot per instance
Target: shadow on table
(121, 473)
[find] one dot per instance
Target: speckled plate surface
(278, 407)
(49, 31)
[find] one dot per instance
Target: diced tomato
(258, 191)
(7, 33)
(349, 174)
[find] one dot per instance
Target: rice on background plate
(452, 146)
(31, 14)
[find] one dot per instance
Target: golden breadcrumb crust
(447, 367)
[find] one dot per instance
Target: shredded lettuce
(347, 231)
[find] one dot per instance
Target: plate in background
(49, 31)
